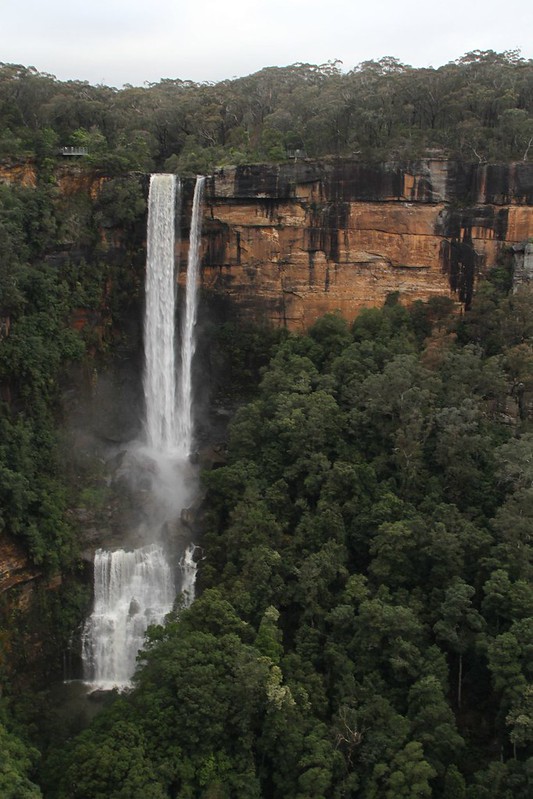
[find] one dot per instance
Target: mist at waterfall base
(134, 588)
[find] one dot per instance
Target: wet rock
(212, 456)
(192, 517)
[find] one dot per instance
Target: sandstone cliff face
(285, 243)
(70, 178)
(21, 174)
(288, 243)
(14, 567)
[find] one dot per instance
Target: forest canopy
(364, 626)
(478, 108)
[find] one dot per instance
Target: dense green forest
(42, 356)
(365, 622)
(39, 293)
(479, 108)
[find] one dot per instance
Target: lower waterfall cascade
(132, 590)
(188, 569)
(136, 588)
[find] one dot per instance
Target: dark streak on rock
(311, 257)
(217, 238)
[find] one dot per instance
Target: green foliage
(239, 352)
(116, 767)
(120, 204)
(39, 344)
(478, 108)
(39, 297)
(17, 766)
(365, 625)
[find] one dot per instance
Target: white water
(159, 369)
(188, 568)
(133, 589)
(188, 340)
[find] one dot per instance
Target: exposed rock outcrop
(287, 243)
(22, 173)
(15, 569)
(523, 264)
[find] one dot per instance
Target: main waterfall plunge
(136, 588)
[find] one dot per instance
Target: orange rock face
(70, 178)
(14, 566)
(286, 244)
(298, 271)
(22, 174)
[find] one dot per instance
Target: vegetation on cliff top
(479, 108)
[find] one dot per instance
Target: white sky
(133, 41)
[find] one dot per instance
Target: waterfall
(185, 398)
(136, 588)
(188, 568)
(159, 368)
(132, 590)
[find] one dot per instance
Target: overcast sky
(134, 41)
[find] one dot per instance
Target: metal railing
(74, 150)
